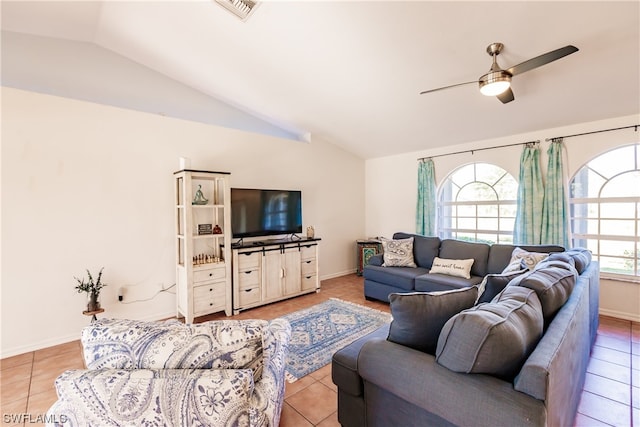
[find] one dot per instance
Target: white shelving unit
(203, 242)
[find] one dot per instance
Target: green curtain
(426, 205)
(555, 225)
(528, 223)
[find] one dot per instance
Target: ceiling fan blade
(506, 96)
(447, 87)
(541, 60)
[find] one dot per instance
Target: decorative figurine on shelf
(92, 289)
(205, 259)
(217, 229)
(199, 198)
(310, 232)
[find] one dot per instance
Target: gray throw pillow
(553, 284)
(494, 338)
(418, 317)
(493, 284)
(581, 258)
(398, 253)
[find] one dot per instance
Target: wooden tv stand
(273, 270)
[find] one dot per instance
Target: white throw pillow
(523, 259)
(452, 267)
(398, 253)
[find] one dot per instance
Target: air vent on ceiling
(241, 8)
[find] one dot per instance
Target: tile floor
(611, 395)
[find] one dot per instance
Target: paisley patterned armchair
(220, 373)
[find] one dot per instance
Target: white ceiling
(350, 71)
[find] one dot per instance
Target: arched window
(478, 203)
(605, 205)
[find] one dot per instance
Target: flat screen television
(265, 212)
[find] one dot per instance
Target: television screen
(265, 212)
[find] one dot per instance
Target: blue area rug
(321, 330)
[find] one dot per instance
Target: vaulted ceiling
(350, 72)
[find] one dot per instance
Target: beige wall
(392, 185)
(87, 185)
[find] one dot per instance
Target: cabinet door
(292, 275)
(273, 275)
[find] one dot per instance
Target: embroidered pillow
(452, 267)
(398, 253)
(523, 259)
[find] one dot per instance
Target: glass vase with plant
(92, 288)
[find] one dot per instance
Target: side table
(366, 249)
(93, 313)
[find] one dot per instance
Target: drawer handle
(210, 274)
(308, 262)
(248, 290)
(210, 289)
(248, 272)
(308, 277)
(210, 304)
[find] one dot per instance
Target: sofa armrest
(268, 396)
(376, 260)
(462, 399)
(555, 371)
(344, 364)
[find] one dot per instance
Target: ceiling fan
(497, 82)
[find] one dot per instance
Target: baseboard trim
(339, 274)
(4, 353)
(620, 315)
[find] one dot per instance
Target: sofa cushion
(521, 258)
(400, 277)
(132, 344)
(452, 267)
(458, 249)
(418, 317)
(425, 248)
(552, 283)
(500, 254)
(398, 253)
(494, 338)
(493, 284)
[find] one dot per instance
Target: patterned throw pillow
(398, 253)
(452, 267)
(523, 259)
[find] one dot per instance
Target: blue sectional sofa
(381, 281)
(384, 383)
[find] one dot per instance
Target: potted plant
(92, 288)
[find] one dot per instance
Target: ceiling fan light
(494, 83)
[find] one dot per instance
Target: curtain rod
(595, 131)
(481, 149)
